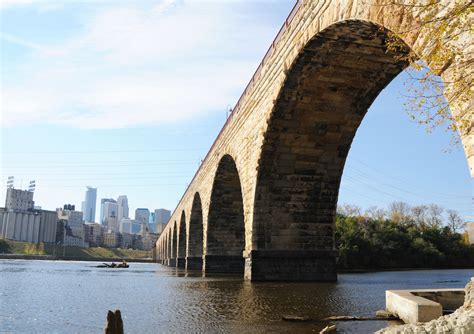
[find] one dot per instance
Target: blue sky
(128, 96)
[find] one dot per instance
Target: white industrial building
(20, 221)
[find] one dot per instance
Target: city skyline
(151, 156)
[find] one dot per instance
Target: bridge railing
(254, 78)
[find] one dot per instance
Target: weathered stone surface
(270, 182)
(194, 263)
(459, 322)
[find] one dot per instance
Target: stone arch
(225, 237)
(174, 244)
(327, 91)
(181, 247)
(195, 235)
(167, 246)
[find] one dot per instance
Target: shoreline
(71, 258)
(150, 260)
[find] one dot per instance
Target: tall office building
(104, 210)
(88, 206)
(122, 203)
(161, 218)
(109, 214)
(142, 215)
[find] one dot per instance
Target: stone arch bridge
(263, 201)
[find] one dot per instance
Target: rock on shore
(459, 322)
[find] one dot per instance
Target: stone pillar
(172, 262)
(291, 265)
(194, 263)
(181, 262)
(228, 264)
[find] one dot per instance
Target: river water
(73, 297)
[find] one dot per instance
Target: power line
(446, 203)
(103, 165)
(386, 176)
(364, 175)
(102, 151)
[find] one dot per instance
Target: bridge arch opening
(181, 249)
(195, 236)
(173, 244)
(167, 245)
(225, 237)
(327, 91)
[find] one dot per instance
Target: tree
(400, 213)
(419, 215)
(448, 27)
(376, 213)
(435, 218)
(348, 210)
(455, 222)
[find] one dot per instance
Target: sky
(128, 96)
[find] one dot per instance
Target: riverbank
(28, 251)
(61, 258)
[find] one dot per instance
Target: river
(73, 297)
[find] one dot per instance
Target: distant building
(109, 214)
(131, 226)
(112, 239)
(94, 234)
(70, 240)
(128, 240)
(149, 241)
(21, 222)
(142, 215)
(21, 200)
(73, 219)
(89, 204)
(122, 203)
(161, 218)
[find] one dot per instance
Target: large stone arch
(328, 89)
(195, 235)
(225, 237)
(181, 248)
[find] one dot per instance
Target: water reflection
(43, 296)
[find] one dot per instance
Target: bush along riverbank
(25, 250)
(365, 243)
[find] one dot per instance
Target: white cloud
(132, 66)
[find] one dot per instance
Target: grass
(25, 248)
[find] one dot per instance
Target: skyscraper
(161, 218)
(109, 214)
(88, 206)
(142, 215)
(122, 203)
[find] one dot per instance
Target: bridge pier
(180, 262)
(194, 263)
(228, 264)
(291, 265)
